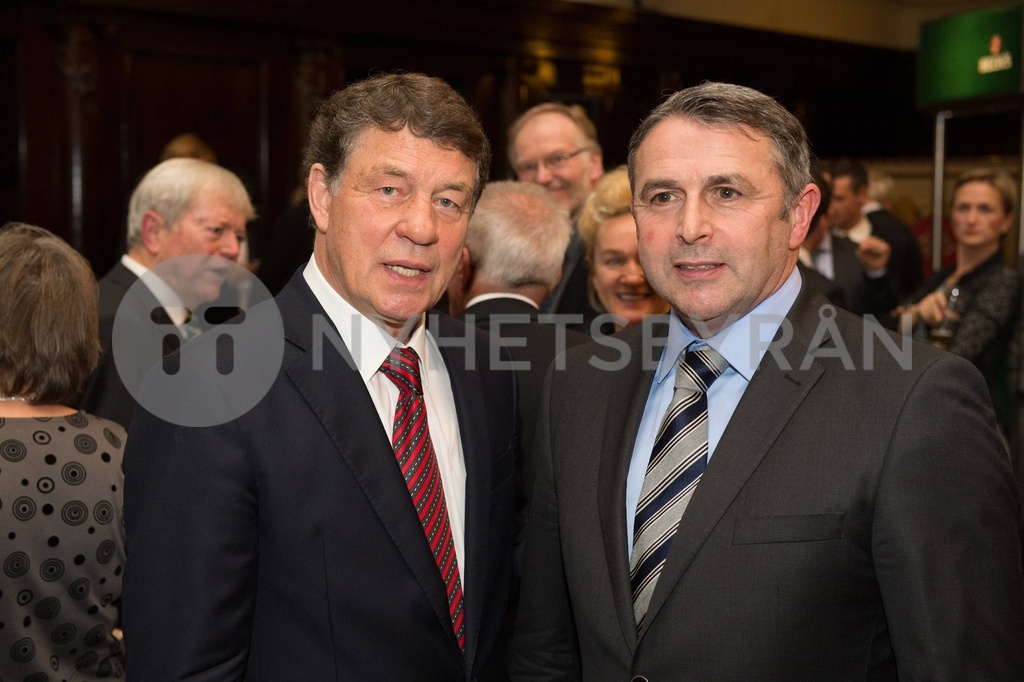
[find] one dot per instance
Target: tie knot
(698, 368)
(402, 366)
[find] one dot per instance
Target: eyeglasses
(552, 162)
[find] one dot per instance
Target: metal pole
(1020, 211)
(938, 181)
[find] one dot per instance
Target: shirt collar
(860, 231)
(368, 343)
(161, 290)
(490, 297)
(744, 342)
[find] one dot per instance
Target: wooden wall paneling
(212, 80)
(78, 63)
(10, 197)
(42, 138)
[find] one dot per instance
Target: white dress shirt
(164, 294)
(370, 346)
(821, 259)
(859, 232)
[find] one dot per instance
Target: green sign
(972, 55)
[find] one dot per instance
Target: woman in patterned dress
(62, 546)
(972, 308)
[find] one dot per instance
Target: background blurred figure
(816, 251)
(60, 476)
(555, 146)
(188, 146)
(979, 323)
(511, 262)
(865, 221)
(617, 284)
(181, 207)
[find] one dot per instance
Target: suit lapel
(765, 409)
(337, 396)
(620, 432)
(476, 448)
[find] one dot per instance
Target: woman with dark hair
(972, 308)
(60, 471)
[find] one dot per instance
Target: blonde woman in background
(617, 284)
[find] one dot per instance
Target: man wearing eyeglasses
(555, 146)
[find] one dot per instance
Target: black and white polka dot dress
(61, 548)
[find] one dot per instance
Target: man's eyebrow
(736, 179)
(455, 187)
(657, 184)
(390, 171)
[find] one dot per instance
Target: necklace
(14, 399)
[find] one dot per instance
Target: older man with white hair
(182, 207)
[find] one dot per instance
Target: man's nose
(419, 220)
(692, 223)
(230, 245)
(544, 175)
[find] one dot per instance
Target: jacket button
(639, 678)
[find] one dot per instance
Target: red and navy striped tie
(415, 454)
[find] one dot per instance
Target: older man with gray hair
(181, 207)
(511, 262)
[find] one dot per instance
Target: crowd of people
(669, 422)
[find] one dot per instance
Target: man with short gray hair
(181, 207)
(511, 262)
(784, 490)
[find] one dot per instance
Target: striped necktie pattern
(418, 462)
(678, 459)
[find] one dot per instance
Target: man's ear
(459, 285)
(864, 195)
(596, 165)
(465, 271)
(154, 229)
(801, 214)
(320, 197)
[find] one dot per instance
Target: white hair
(170, 187)
(518, 235)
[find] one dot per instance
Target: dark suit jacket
(823, 285)
(570, 296)
(514, 324)
(105, 393)
(283, 545)
(905, 264)
(864, 295)
(852, 524)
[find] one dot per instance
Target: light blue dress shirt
(742, 343)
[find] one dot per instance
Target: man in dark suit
(851, 218)
(182, 207)
(555, 146)
(816, 250)
(824, 502)
(356, 522)
(511, 262)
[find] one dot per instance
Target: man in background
(182, 207)
(555, 146)
(856, 216)
(511, 262)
